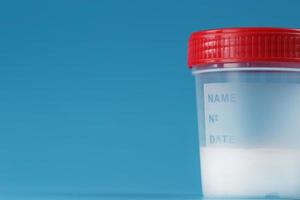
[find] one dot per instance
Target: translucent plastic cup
(248, 99)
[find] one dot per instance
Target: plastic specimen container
(248, 100)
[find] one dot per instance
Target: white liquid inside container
(250, 172)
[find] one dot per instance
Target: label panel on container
(252, 114)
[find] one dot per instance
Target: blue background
(95, 96)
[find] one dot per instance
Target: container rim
(230, 69)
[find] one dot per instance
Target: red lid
(244, 45)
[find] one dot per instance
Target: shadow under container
(248, 100)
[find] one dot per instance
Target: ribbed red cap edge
(243, 45)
